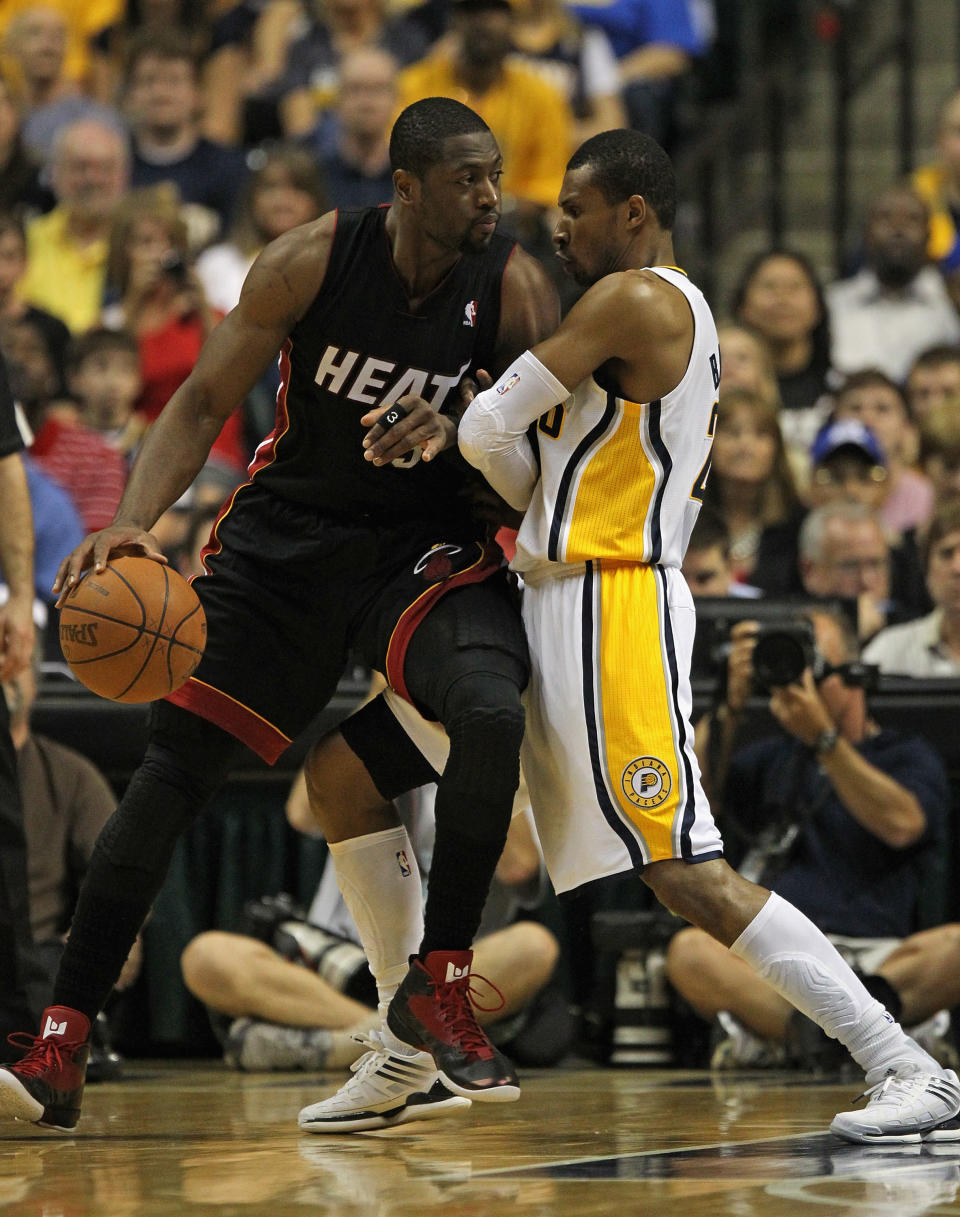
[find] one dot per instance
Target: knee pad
(485, 758)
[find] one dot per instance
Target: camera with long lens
(780, 654)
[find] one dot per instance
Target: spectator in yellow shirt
(938, 183)
(83, 17)
(529, 117)
(67, 249)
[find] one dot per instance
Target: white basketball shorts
(608, 752)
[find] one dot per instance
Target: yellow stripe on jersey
(613, 496)
(640, 749)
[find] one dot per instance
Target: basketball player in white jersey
(602, 434)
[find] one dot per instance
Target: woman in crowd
(751, 485)
(284, 190)
(780, 296)
(157, 297)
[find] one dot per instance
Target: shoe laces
(896, 1086)
(456, 1000)
(42, 1055)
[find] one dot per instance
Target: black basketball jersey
(359, 346)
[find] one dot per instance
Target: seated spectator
(355, 152)
(529, 118)
(896, 305)
(21, 191)
(577, 58)
(112, 43)
(162, 104)
(160, 300)
(79, 460)
(706, 564)
(36, 49)
(215, 34)
(83, 18)
(881, 405)
(276, 27)
(940, 450)
(934, 378)
(848, 464)
(57, 528)
(750, 484)
(279, 1014)
(780, 297)
(309, 84)
(103, 377)
(837, 815)
(13, 308)
(844, 551)
(656, 42)
(66, 802)
(67, 249)
(938, 184)
(929, 646)
(284, 190)
(746, 362)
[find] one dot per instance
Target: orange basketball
(134, 632)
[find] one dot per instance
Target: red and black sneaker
(432, 1012)
(46, 1085)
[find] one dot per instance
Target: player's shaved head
(420, 133)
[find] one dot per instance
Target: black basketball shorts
(292, 592)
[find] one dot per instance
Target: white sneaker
(737, 1047)
(386, 1089)
(905, 1107)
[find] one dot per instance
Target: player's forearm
(16, 529)
(493, 429)
(173, 453)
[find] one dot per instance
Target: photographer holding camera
(835, 814)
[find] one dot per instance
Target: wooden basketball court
(175, 1139)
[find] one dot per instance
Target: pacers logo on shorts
(646, 782)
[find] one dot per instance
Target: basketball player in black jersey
(321, 553)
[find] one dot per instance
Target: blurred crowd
(149, 149)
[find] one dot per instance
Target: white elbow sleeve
(496, 418)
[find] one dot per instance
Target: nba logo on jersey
(404, 865)
(507, 384)
(470, 313)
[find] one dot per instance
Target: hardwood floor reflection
(182, 1139)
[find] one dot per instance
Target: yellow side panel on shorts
(613, 496)
(640, 751)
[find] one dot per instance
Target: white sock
(379, 879)
(787, 950)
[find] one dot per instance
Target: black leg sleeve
(186, 761)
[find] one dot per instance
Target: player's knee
(485, 750)
(344, 801)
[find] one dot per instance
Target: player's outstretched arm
(279, 288)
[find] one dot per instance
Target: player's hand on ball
(118, 540)
(410, 424)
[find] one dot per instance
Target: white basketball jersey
(623, 480)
